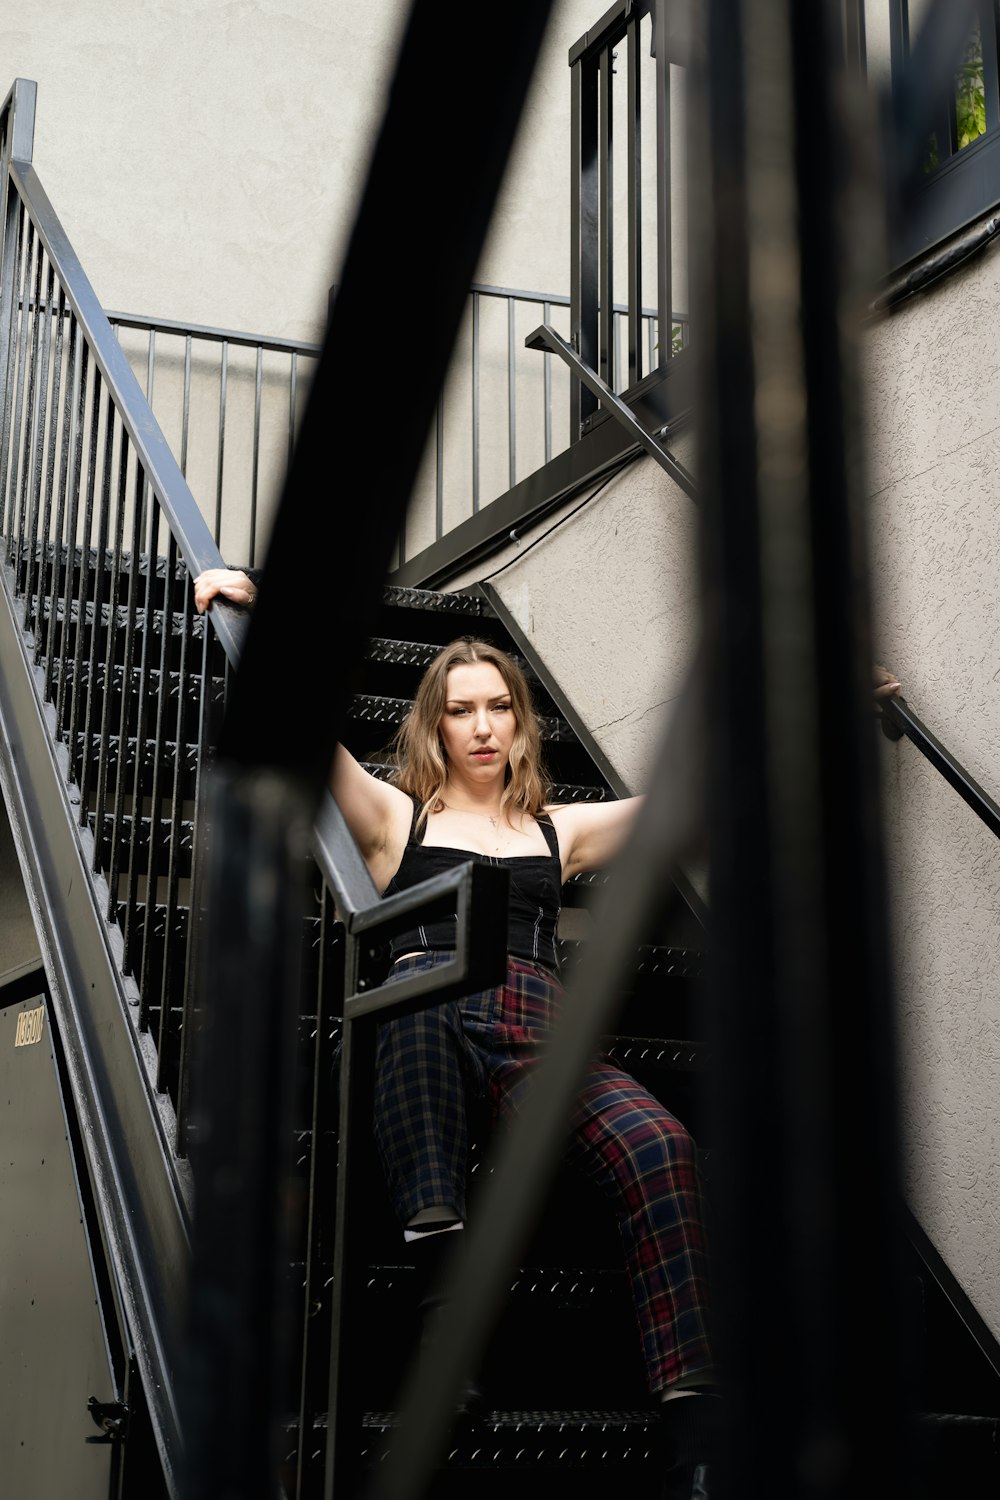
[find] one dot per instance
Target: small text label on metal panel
(29, 1027)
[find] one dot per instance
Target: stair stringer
(141, 1188)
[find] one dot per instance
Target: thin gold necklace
(495, 821)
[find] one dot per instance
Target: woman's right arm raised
(377, 814)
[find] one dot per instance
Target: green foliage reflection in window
(970, 94)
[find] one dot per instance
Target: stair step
(196, 622)
(394, 597)
(85, 679)
(116, 761)
(559, 791)
(163, 831)
(374, 708)
(645, 1053)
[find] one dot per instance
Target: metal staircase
(112, 694)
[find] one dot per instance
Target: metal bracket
(111, 1417)
(549, 341)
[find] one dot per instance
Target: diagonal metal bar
(796, 866)
(279, 733)
(670, 827)
(545, 337)
(301, 727)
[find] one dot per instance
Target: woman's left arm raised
(591, 833)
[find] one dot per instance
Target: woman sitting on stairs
(469, 787)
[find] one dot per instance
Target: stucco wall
(610, 602)
(935, 410)
(206, 161)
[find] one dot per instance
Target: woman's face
(478, 726)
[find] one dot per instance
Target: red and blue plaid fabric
(622, 1137)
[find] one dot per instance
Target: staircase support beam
(138, 1186)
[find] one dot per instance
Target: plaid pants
(622, 1137)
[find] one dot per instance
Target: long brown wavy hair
(421, 764)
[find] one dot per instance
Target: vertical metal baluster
(141, 724)
(606, 367)
(163, 1074)
(475, 402)
(70, 402)
(854, 38)
(207, 724)
(148, 981)
(664, 244)
(186, 408)
(616, 323)
(11, 319)
(48, 562)
(128, 661)
(511, 399)
(583, 231)
(23, 356)
(318, 1091)
(256, 454)
(634, 148)
(75, 469)
(35, 545)
(97, 699)
(650, 343)
(30, 435)
(547, 359)
(84, 584)
(150, 367)
(292, 396)
(109, 662)
(439, 469)
(223, 382)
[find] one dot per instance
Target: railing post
(664, 240)
(17, 134)
(634, 205)
(583, 230)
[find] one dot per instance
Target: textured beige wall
(934, 370)
(610, 602)
(206, 161)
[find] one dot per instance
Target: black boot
(431, 1254)
(693, 1428)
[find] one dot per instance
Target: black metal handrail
(898, 719)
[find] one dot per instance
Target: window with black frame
(961, 165)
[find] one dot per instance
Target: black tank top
(533, 907)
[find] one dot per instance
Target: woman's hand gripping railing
(898, 719)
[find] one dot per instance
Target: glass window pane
(970, 94)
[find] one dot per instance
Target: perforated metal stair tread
(47, 552)
(85, 678)
(540, 1421)
(374, 708)
(196, 622)
(459, 604)
(559, 791)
